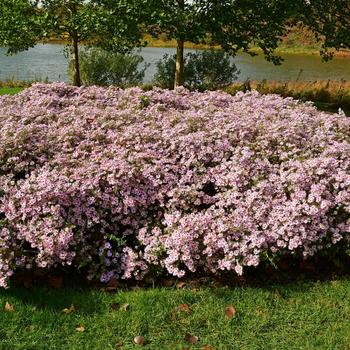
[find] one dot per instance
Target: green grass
(10, 91)
(304, 315)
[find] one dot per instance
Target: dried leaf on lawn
(139, 340)
(9, 307)
(207, 347)
(80, 328)
(230, 312)
(69, 310)
(191, 339)
(125, 307)
(277, 294)
(184, 308)
(180, 285)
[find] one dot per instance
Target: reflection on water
(48, 61)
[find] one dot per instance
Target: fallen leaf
(207, 347)
(125, 307)
(184, 308)
(119, 345)
(80, 328)
(55, 281)
(115, 306)
(139, 340)
(230, 312)
(180, 285)
(261, 311)
(9, 307)
(69, 310)
(191, 339)
(112, 285)
(277, 294)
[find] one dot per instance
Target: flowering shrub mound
(125, 182)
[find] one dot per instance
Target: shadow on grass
(86, 301)
(291, 276)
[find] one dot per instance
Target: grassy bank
(327, 95)
(305, 315)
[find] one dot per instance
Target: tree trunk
(76, 66)
(75, 51)
(179, 71)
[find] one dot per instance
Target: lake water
(48, 61)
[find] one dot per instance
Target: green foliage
(233, 25)
(205, 70)
(110, 24)
(329, 20)
(144, 101)
(99, 67)
(165, 74)
(20, 24)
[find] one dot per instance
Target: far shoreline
(282, 50)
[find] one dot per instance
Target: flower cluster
(123, 182)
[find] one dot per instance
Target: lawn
(10, 91)
(303, 315)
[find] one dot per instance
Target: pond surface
(48, 61)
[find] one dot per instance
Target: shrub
(205, 70)
(123, 183)
(99, 67)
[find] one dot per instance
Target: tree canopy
(110, 24)
(19, 24)
(231, 24)
(330, 21)
(118, 25)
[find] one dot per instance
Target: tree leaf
(191, 339)
(69, 310)
(277, 294)
(207, 347)
(119, 345)
(181, 285)
(112, 285)
(9, 307)
(125, 307)
(139, 340)
(80, 328)
(230, 312)
(184, 308)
